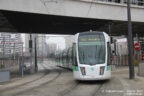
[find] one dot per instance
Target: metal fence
(10, 54)
(120, 54)
(133, 2)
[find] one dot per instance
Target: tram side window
(109, 54)
(74, 54)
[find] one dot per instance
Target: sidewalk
(133, 87)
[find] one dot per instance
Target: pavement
(131, 87)
(54, 81)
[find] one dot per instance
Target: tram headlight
(102, 68)
(83, 71)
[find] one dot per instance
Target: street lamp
(130, 42)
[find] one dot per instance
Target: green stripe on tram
(75, 68)
(108, 68)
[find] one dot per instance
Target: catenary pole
(36, 67)
(130, 43)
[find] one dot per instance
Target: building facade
(10, 44)
(40, 44)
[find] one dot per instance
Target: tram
(91, 56)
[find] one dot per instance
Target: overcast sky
(60, 41)
(56, 39)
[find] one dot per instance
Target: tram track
(50, 81)
(67, 91)
(59, 73)
(47, 71)
(97, 90)
(73, 88)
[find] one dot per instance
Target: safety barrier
(133, 2)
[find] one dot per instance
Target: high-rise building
(40, 44)
(51, 49)
(69, 40)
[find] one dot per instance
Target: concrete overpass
(69, 16)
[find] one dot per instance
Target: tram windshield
(91, 49)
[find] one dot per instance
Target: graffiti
(44, 2)
(48, 1)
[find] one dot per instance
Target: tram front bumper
(93, 77)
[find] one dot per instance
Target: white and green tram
(91, 54)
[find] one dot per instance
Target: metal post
(130, 43)
(36, 67)
(14, 51)
(115, 52)
(22, 66)
(22, 61)
(138, 55)
(3, 51)
(30, 46)
(109, 27)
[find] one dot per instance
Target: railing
(133, 2)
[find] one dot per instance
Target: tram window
(108, 54)
(74, 55)
(92, 49)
